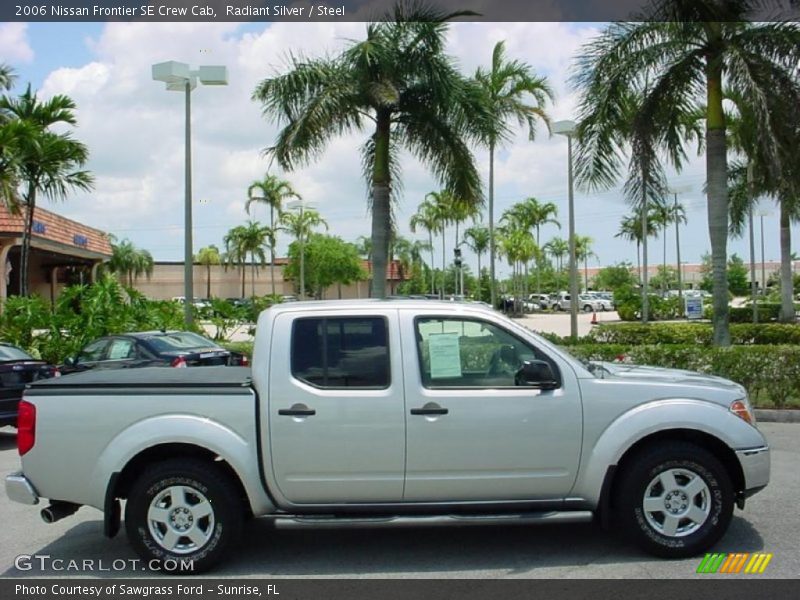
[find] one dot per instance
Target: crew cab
(380, 412)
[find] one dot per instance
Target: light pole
(179, 77)
(302, 231)
(568, 129)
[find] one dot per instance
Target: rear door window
(347, 352)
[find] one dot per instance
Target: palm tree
(235, 255)
(207, 257)
(129, 261)
(8, 159)
(46, 163)
(535, 214)
(301, 224)
(253, 240)
(442, 203)
(558, 248)
(519, 248)
(427, 217)
(477, 238)
(761, 174)
(7, 77)
(630, 228)
(271, 191)
(678, 58)
(583, 251)
(400, 83)
(511, 90)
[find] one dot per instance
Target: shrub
(693, 333)
(245, 348)
(768, 373)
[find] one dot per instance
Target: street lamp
(568, 129)
(179, 77)
(302, 206)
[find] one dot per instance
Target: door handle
(430, 409)
(297, 410)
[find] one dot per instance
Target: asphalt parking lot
(769, 524)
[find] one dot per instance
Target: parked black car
(152, 349)
(18, 368)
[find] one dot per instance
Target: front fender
(646, 419)
(240, 454)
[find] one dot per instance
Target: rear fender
(182, 429)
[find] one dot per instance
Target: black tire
(587, 308)
(643, 526)
(203, 480)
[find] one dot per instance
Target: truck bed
(149, 378)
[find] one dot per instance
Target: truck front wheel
(675, 500)
(183, 516)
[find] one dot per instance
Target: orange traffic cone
(594, 317)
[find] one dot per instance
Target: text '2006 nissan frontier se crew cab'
(391, 412)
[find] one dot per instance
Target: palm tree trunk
(787, 284)
(30, 205)
(272, 248)
(717, 176)
(586, 273)
(244, 272)
(208, 281)
(492, 287)
(538, 266)
(645, 299)
(252, 275)
(433, 266)
(381, 209)
(664, 277)
(444, 258)
(639, 260)
(480, 297)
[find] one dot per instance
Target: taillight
(54, 372)
(26, 426)
(178, 362)
(245, 361)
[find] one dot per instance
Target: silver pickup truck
(391, 412)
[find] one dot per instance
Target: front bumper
(19, 489)
(755, 464)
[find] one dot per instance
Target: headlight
(741, 408)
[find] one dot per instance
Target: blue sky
(134, 131)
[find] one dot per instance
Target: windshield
(13, 353)
(179, 341)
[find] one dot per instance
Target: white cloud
(134, 129)
(14, 44)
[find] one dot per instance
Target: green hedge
(691, 333)
(770, 373)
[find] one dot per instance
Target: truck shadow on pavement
(585, 550)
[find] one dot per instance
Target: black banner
(356, 10)
(342, 589)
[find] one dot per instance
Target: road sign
(694, 307)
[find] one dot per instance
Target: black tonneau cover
(152, 378)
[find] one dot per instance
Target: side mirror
(536, 374)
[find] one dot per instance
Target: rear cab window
(341, 352)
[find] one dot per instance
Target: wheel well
(137, 465)
(712, 444)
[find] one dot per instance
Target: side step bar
(528, 518)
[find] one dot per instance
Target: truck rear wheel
(675, 500)
(184, 514)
